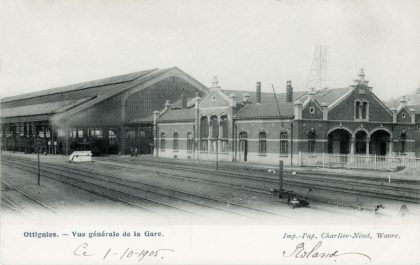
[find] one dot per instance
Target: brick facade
(350, 121)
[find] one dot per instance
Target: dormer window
(361, 110)
(403, 115)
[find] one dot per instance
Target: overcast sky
(46, 44)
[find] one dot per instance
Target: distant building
(413, 103)
(250, 126)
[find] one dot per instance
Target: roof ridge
(50, 91)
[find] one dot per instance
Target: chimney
(403, 101)
(155, 116)
(298, 110)
(394, 114)
(246, 98)
(289, 91)
(312, 93)
(196, 101)
(232, 100)
(413, 115)
(324, 111)
(214, 83)
(167, 104)
(184, 99)
(258, 95)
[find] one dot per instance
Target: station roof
(81, 86)
(43, 108)
(328, 95)
(268, 106)
(66, 101)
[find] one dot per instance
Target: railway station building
(233, 125)
(96, 115)
(170, 114)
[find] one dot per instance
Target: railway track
(398, 192)
(16, 208)
(197, 200)
(233, 167)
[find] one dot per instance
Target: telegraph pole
(281, 179)
(38, 143)
(217, 153)
(39, 173)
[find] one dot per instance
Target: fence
(374, 162)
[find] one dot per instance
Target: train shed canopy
(110, 101)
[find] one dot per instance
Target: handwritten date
(139, 255)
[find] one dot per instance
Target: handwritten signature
(83, 250)
(300, 252)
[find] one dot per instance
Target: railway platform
(412, 176)
(409, 176)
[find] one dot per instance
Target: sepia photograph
(210, 132)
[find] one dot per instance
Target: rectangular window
(224, 147)
(263, 143)
(311, 146)
(190, 142)
(311, 141)
(204, 145)
(403, 141)
(162, 141)
(175, 142)
(214, 147)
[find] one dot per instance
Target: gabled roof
(178, 103)
(328, 96)
(266, 97)
(268, 106)
(43, 108)
(414, 102)
(178, 115)
(416, 108)
(91, 93)
(171, 115)
(84, 85)
(117, 89)
(265, 110)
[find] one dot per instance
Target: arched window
(175, 142)
(361, 110)
(224, 124)
(190, 142)
(284, 144)
(311, 141)
(214, 125)
(403, 140)
(162, 141)
(225, 133)
(357, 110)
(364, 110)
(263, 143)
(204, 133)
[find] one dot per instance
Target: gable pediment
(215, 99)
(361, 104)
